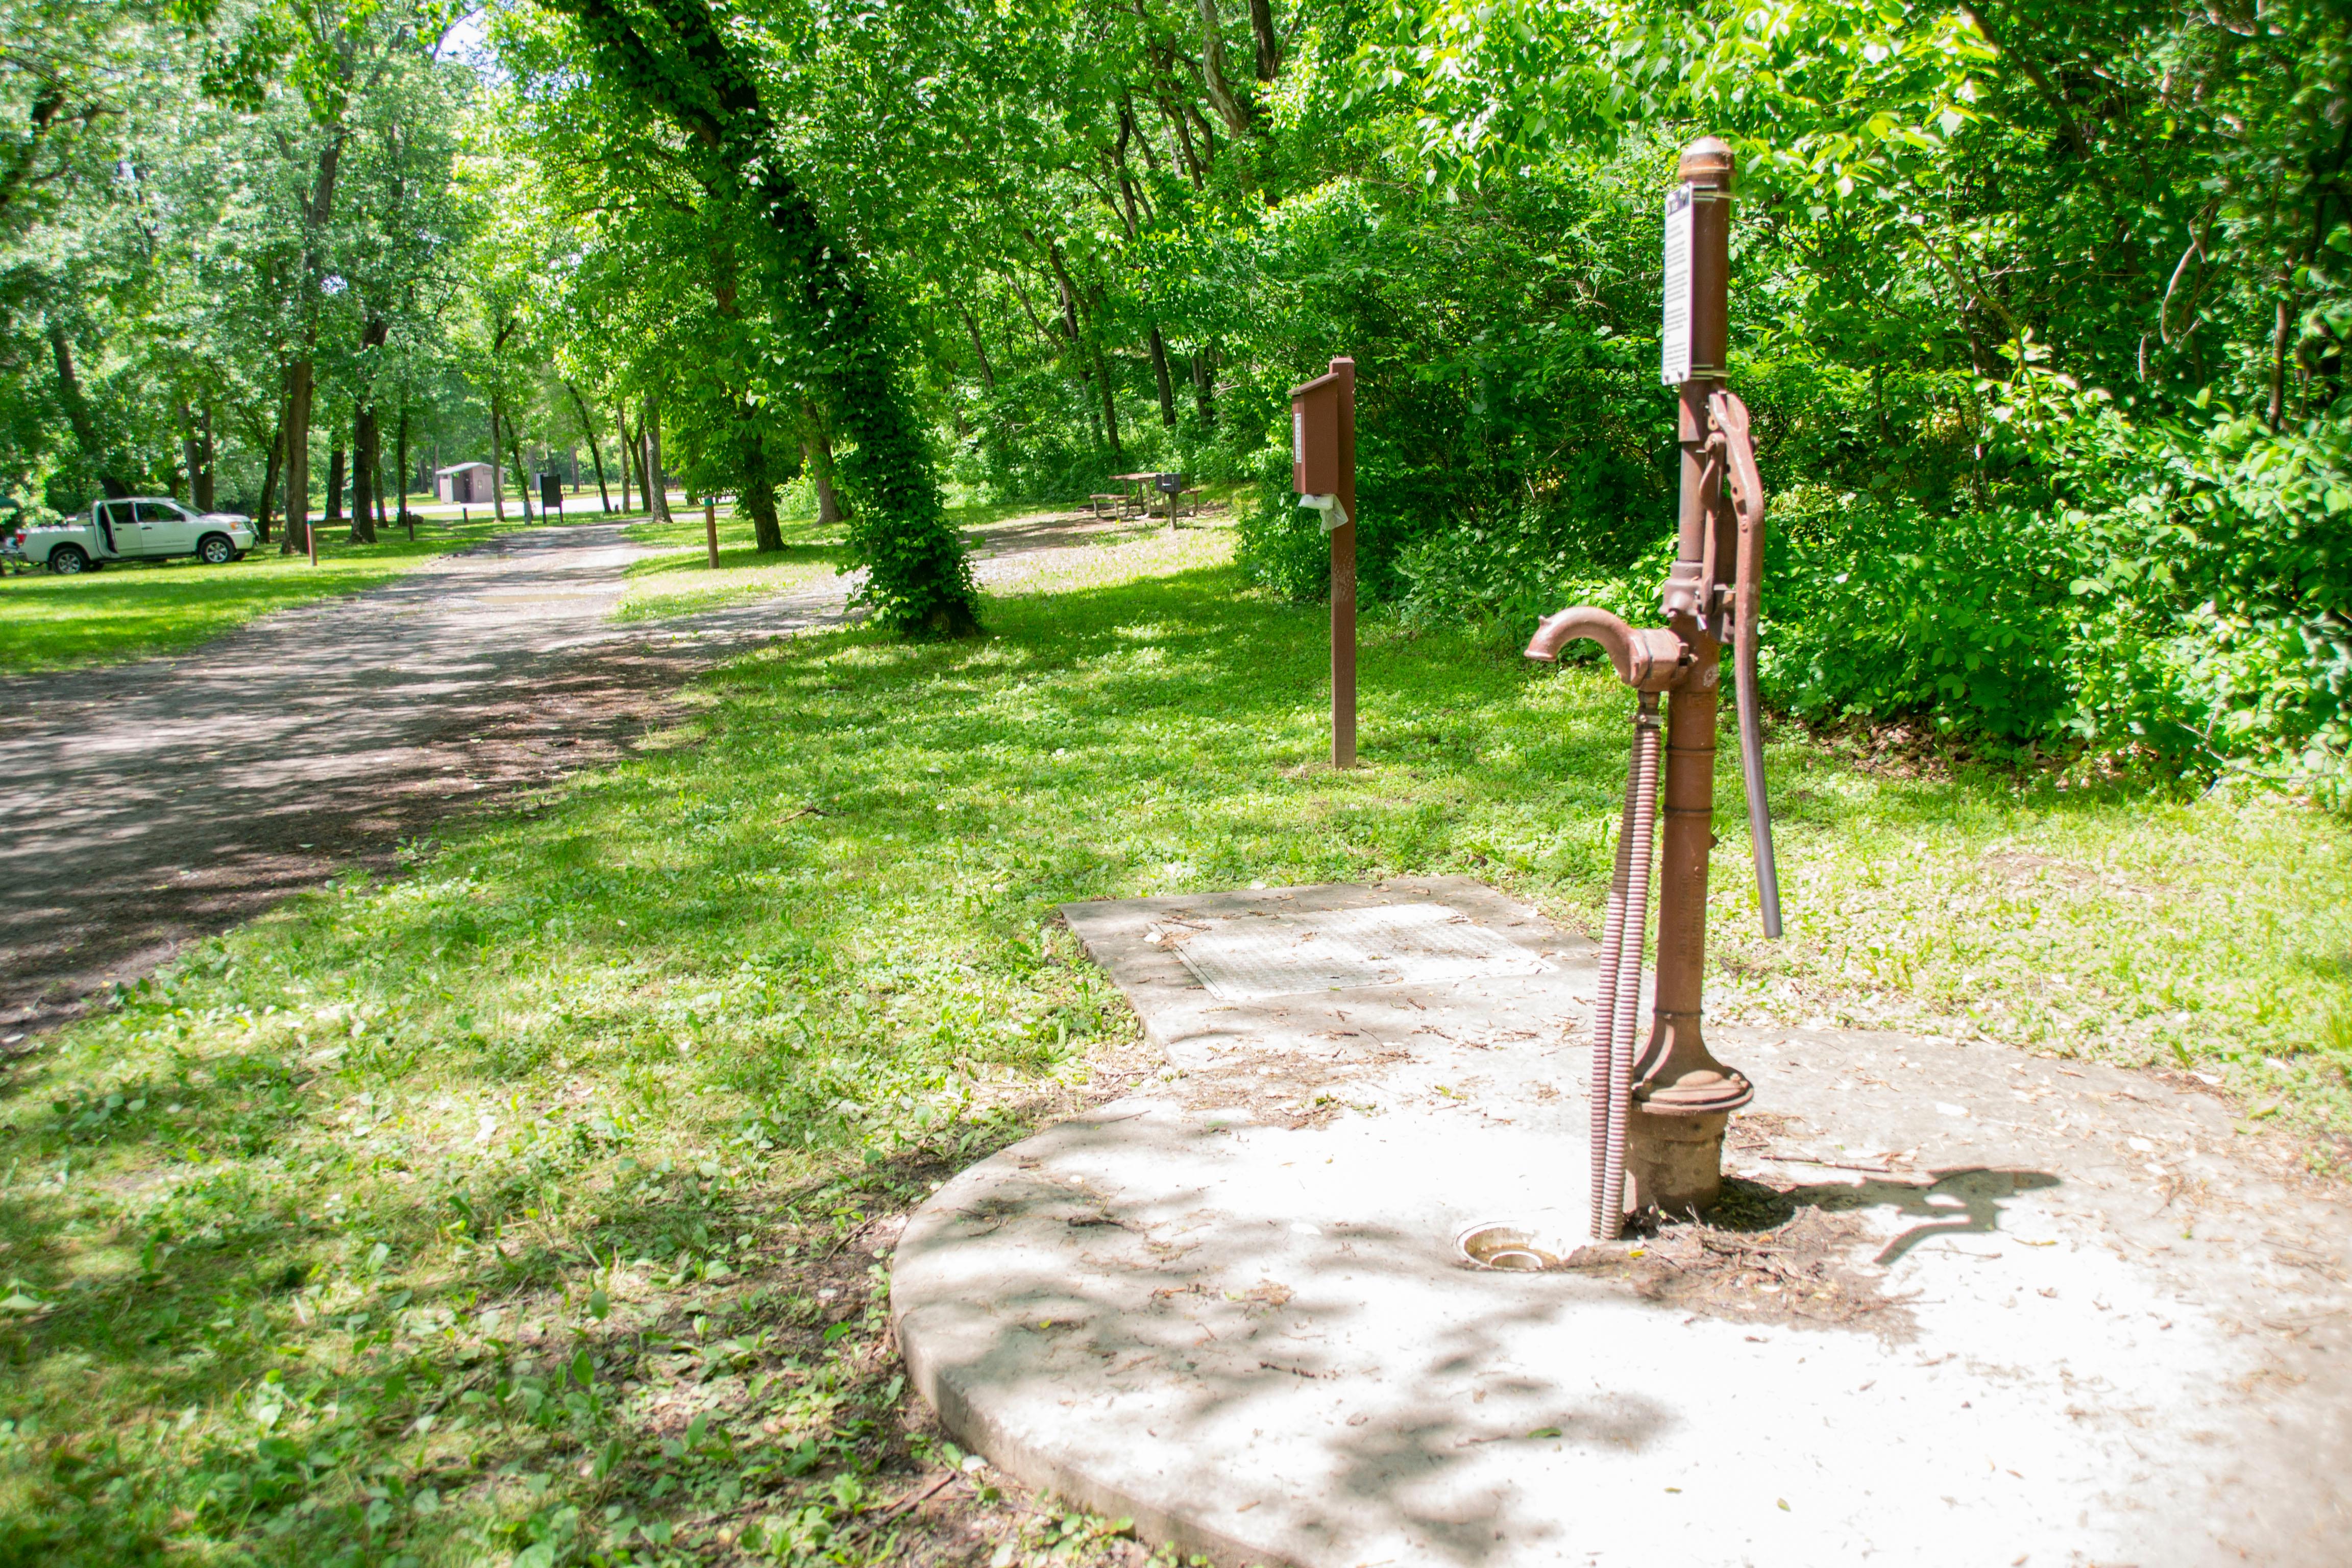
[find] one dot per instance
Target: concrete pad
(1966, 1307)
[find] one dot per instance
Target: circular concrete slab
(1980, 1308)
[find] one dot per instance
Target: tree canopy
(2040, 309)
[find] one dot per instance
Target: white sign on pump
(1674, 341)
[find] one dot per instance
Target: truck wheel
(68, 561)
(215, 550)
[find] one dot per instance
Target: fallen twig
(875, 1522)
(849, 1237)
(1829, 1165)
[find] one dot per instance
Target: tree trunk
(1269, 48)
(206, 488)
(1160, 372)
(580, 403)
(816, 451)
(1183, 143)
(657, 482)
(297, 457)
(269, 477)
(367, 463)
(498, 484)
(756, 494)
(2278, 363)
(334, 513)
(1090, 344)
(1231, 107)
(190, 461)
(367, 439)
(400, 459)
(987, 375)
(302, 375)
(78, 415)
(621, 418)
(1204, 385)
(1085, 352)
(522, 475)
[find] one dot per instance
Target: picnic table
(1139, 493)
(1138, 496)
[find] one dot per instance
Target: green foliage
(2000, 277)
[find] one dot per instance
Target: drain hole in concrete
(1506, 1246)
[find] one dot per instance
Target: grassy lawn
(679, 580)
(517, 1209)
(138, 610)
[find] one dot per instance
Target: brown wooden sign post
(1323, 472)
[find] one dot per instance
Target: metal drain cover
(1248, 959)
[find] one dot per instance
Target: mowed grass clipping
(141, 609)
(512, 1210)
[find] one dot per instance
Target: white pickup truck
(140, 528)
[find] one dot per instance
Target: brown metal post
(1343, 580)
(1682, 1095)
(710, 529)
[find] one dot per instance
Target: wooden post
(310, 532)
(710, 530)
(1323, 472)
(1343, 580)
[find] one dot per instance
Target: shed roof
(459, 468)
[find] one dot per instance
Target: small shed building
(466, 484)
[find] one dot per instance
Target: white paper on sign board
(1297, 433)
(1674, 341)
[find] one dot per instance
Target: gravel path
(156, 802)
(162, 800)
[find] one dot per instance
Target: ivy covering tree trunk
(671, 56)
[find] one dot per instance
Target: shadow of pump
(1956, 1203)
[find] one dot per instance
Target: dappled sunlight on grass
(530, 1181)
(680, 581)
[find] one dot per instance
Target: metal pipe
(1641, 805)
(1607, 1119)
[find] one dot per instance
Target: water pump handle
(1728, 416)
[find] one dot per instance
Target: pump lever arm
(1730, 415)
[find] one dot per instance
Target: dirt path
(158, 801)
(155, 802)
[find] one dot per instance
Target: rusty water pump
(1666, 1108)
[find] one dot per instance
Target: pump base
(1676, 1162)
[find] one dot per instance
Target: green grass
(139, 610)
(679, 580)
(509, 1203)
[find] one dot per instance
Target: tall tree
(673, 57)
